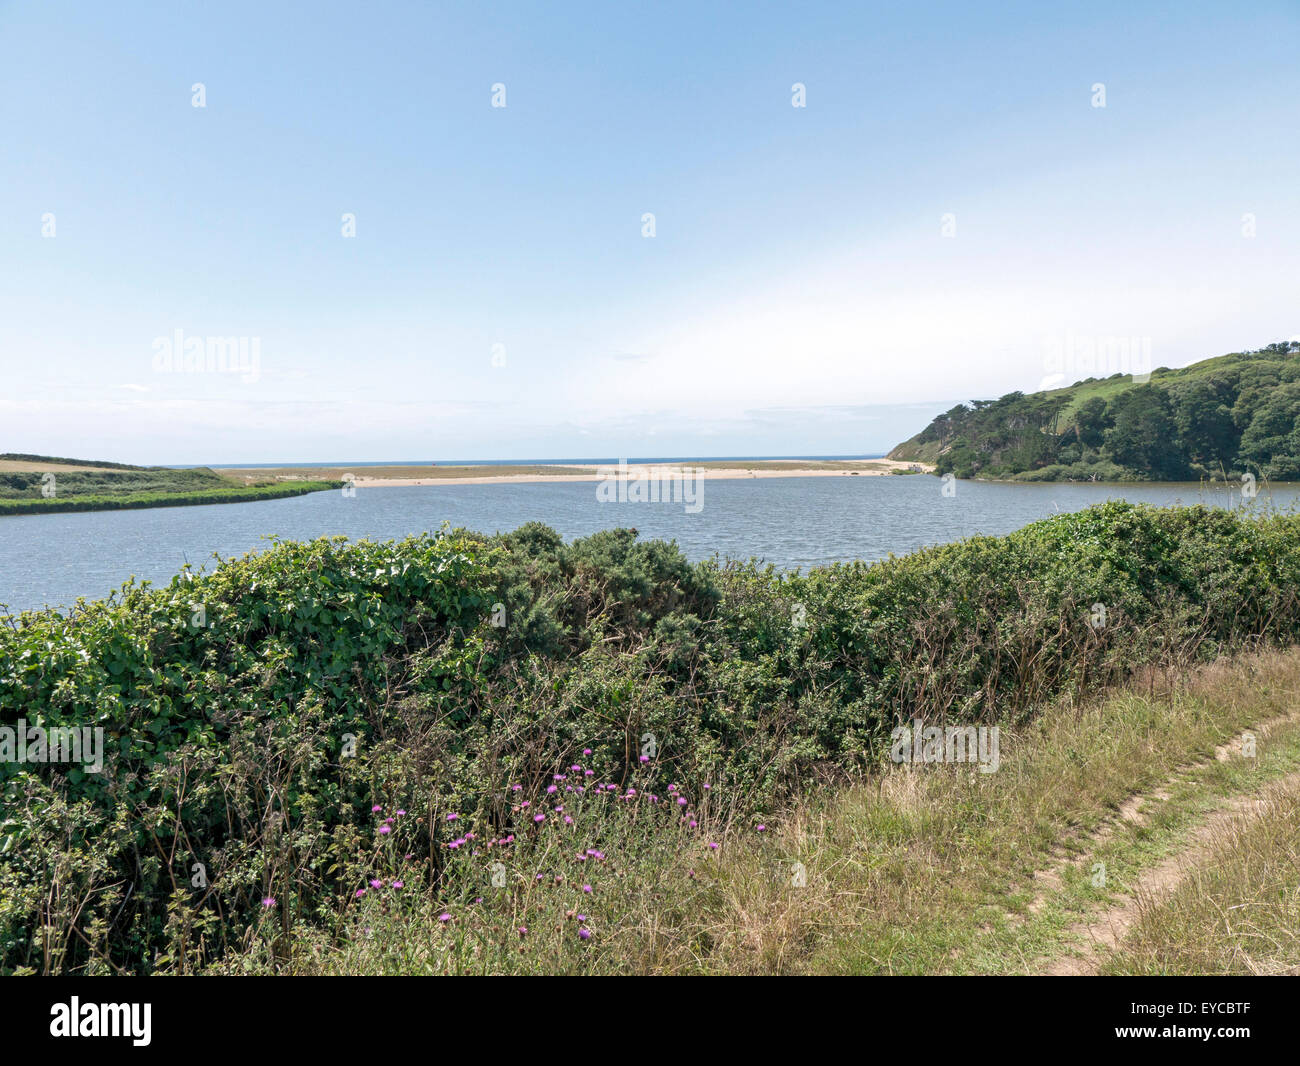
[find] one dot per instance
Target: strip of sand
(597, 472)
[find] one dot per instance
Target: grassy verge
(951, 885)
(915, 871)
(254, 717)
(1238, 911)
(131, 500)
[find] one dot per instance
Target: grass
(462, 666)
(18, 465)
(1238, 911)
(135, 500)
(951, 888)
(32, 484)
(10, 461)
(83, 481)
(917, 870)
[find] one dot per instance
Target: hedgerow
(256, 714)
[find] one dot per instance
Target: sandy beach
(595, 472)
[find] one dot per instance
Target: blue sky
(798, 296)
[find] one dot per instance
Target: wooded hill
(1222, 417)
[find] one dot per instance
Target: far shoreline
(532, 473)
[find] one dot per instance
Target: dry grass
(1237, 910)
(23, 466)
(941, 869)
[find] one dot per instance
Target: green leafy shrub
(253, 716)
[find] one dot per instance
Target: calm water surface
(792, 522)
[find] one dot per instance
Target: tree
(1091, 421)
(1203, 415)
(1144, 437)
(1272, 439)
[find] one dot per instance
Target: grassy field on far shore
(33, 484)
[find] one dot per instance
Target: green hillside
(20, 459)
(37, 484)
(1224, 417)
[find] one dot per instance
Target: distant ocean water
(789, 521)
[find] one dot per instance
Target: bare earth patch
(1101, 935)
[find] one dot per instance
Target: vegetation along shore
(1234, 417)
(35, 484)
(469, 754)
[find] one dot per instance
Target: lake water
(792, 522)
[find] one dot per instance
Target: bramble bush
(254, 716)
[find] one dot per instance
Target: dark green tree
(1091, 421)
(1144, 437)
(1203, 415)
